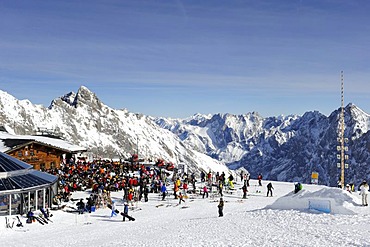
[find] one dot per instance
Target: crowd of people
(135, 180)
(103, 177)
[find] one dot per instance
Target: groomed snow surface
(282, 220)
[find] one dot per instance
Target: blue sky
(176, 58)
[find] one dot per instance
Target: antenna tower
(342, 148)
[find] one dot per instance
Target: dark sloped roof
(9, 163)
(24, 181)
(18, 175)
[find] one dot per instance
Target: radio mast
(342, 148)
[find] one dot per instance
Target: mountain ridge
(284, 148)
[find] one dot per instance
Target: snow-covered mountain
(86, 121)
(284, 148)
(281, 148)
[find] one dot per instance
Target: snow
(47, 140)
(281, 220)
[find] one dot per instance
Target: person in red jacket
(185, 188)
(259, 179)
(205, 191)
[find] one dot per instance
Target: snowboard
(128, 216)
(110, 207)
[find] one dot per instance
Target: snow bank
(326, 200)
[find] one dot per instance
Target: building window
(20, 154)
(32, 153)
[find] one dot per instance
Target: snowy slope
(257, 221)
(283, 148)
(105, 132)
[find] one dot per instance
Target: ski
(46, 215)
(8, 224)
(42, 219)
(38, 220)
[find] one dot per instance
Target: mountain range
(282, 148)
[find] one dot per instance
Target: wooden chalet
(42, 152)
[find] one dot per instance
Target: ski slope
(281, 220)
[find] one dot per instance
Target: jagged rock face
(281, 148)
(84, 120)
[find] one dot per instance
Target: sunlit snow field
(281, 220)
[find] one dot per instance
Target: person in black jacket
(220, 208)
(269, 188)
(80, 206)
(245, 190)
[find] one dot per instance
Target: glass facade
(23, 188)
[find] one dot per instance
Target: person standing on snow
(113, 209)
(245, 190)
(269, 189)
(205, 191)
(220, 185)
(80, 206)
(164, 191)
(181, 198)
(364, 191)
(297, 187)
(220, 208)
(259, 179)
(125, 211)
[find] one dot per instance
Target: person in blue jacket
(163, 191)
(125, 210)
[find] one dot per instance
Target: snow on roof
(59, 143)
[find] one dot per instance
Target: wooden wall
(39, 156)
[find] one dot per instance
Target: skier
(220, 188)
(231, 177)
(90, 202)
(348, 188)
(245, 190)
(247, 177)
(259, 179)
(269, 188)
(164, 191)
(30, 217)
(364, 191)
(185, 188)
(113, 209)
(80, 206)
(181, 198)
(220, 208)
(209, 178)
(125, 210)
(297, 187)
(202, 176)
(146, 192)
(175, 189)
(205, 191)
